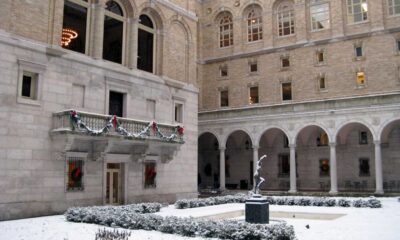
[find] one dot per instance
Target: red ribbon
(180, 131)
(154, 126)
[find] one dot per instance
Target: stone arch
(128, 7)
(208, 160)
(217, 136)
(343, 125)
(225, 138)
(250, 4)
(222, 10)
(318, 125)
(258, 138)
(385, 129)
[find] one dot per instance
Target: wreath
(76, 174)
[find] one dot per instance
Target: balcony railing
(104, 125)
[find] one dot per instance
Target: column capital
(332, 144)
(255, 147)
(292, 145)
(222, 148)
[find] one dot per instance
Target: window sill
(254, 42)
(283, 69)
(226, 47)
(27, 101)
(360, 87)
(393, 16)
(222, 78)
(323, 64)
(320, 30)
(357, 23)
(322, 90)
(253, 74)
(286, 36)
(356, 59)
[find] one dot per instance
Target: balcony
(99, 135)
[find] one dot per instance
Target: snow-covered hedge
(299, 201)
(121, 217)
(105, 234)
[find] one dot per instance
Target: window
(178, 112)
(360, 79)
(75, 172)
(363, 138)
(75, 24)
(253, 99)
(224, 99)
(223, 71)
(285, 20)
(363, 167)
(150, 173)
(146, 44)
(394, 7)
(398, 45)
(254, 25)
(321, 82)
(358, 51)
(286, 91)
(285, 62)
(253, 67)
(324, 168)
(320, 56)
(320, 17)
(151, 109)
(284, 165)
(116, 104)
(114, 24)
(225, 30)
(322, 139)
(29, 85)
(357, 11)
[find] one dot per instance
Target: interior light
(364, 6)
(67, 36)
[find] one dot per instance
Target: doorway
(113, 184)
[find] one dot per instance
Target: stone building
(69, 66)
(120, 101)
(314, 84)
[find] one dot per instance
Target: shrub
(344, 203)
(359, 203)
(104, 234)
(374, 203)
(318, 202)
(329, 202)
(128, 218)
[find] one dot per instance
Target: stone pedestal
(257, 210)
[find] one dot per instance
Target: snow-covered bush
(359, 203)
(299, 201)
(329, 202)
(130, 219)
(344, 203)
(104, 234)
(374, 203)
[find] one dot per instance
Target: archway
(239, 161)
(313, 159)
(275, 144)
(208, 161)
(355, 158)
(390, 145)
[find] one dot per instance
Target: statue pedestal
(257, 210)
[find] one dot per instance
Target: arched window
(114, 33)
(75, 24)
(285, 15)
(225, 30)
(146, 44)
(254, 25)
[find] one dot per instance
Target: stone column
(293, 188)
(378, 168)
(255, 159)
(333, 168)
(132, 52)
(97, 30)
(222, 168)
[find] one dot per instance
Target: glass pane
(74, 27)
(26, 86)
(112, 42)
(108, 188)
(115, 187)
(146, 21)
(145, 50)
(114, 7)
(116, 102)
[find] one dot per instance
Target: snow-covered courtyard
(310, 223)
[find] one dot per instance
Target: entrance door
(114, 186)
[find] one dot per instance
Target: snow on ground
(356, 224)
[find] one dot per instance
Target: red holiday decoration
(154, 126)
(180, 130)
(115, 121)
(73, 113)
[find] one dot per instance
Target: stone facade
(232, 137)
(35, 146)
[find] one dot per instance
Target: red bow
(73, 113)
(180, 131)
(114, 121)
(154, 126)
